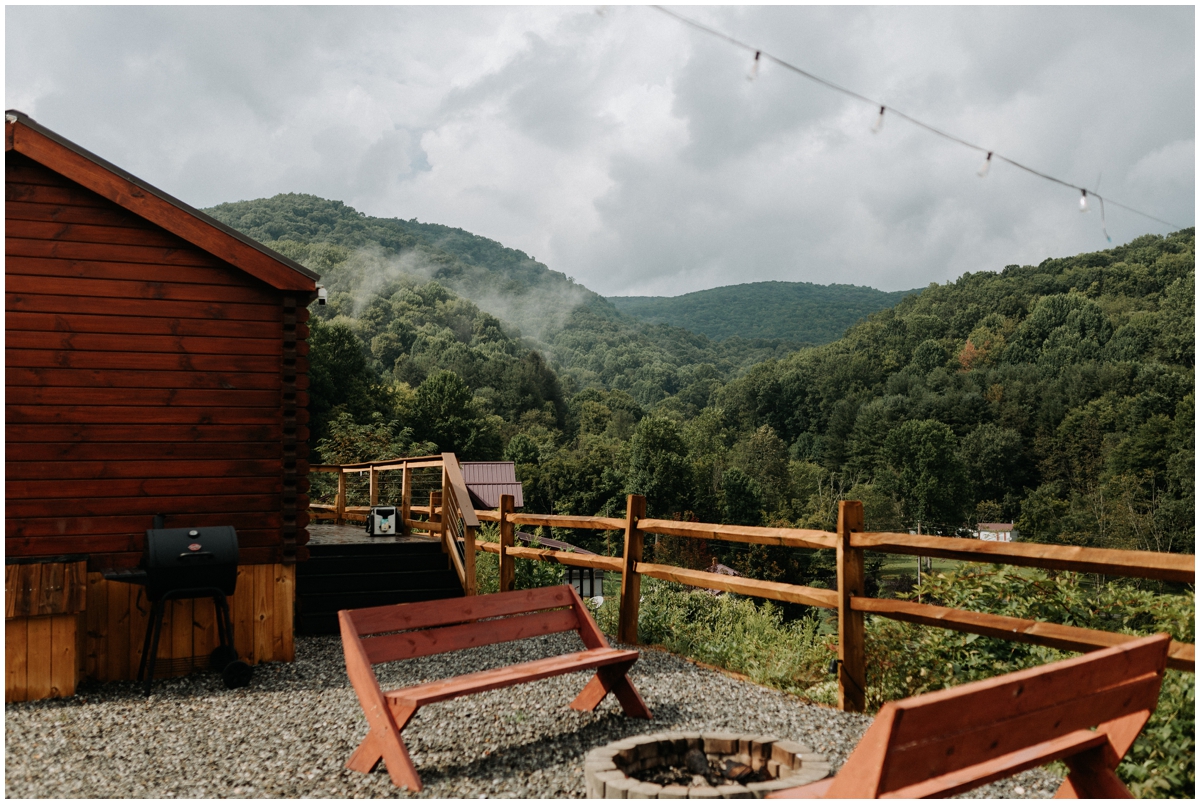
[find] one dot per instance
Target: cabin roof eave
(25, 136)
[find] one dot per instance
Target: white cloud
(631, 152)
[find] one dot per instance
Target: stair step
(376, 549)
(342, 565)
(375, 582)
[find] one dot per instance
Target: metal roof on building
(487, 481)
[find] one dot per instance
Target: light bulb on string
(987, 165)
(875, 129)
(754, 67)
(1083, 205)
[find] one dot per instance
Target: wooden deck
(326, 533)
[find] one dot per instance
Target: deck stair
(368, 573)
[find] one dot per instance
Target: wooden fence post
(508, 568)
(435, 501)
(469, 558)
(852, 661)
(405, 500)
(339, 512)
(374, 486)
(631, 582)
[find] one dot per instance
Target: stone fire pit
(696, 765)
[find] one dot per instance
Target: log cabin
(154, 364)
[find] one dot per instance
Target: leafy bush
(729, 631)
(906, 660)
(529, 574)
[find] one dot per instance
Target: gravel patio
(288, 734)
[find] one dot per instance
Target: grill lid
(183, 559)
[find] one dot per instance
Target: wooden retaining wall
(43, 629)
(47, 651)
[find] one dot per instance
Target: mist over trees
(1058, 396)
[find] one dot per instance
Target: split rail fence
(450, 517)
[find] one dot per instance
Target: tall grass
(730, 632)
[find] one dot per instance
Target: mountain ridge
(797, 311)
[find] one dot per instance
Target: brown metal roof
(24, 135)
(489, 472)
(486, 481)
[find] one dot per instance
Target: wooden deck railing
(449, 515)
(450, 518)
(339, 512)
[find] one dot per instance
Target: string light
(754, 67)
(987, 165)
(759, 54)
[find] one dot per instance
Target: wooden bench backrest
(925, 737)
(409, 630)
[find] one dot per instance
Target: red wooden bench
(947, 742)
(408, 630)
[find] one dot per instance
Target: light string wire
(991, 154)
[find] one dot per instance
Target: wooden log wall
(143, 376)
(294, 400)
(63, 624)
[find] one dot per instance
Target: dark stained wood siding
(143, 375)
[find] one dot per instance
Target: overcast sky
(631, 152)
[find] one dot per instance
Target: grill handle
(205, 556)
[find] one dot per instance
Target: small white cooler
(382, 521)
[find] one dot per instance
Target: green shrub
(487, 565)
(729, 631)
(906, 660)
(529, 574)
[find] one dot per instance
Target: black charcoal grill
(181, 563)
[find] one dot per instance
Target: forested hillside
(1060, 396)
(798, 311)
(587, 341)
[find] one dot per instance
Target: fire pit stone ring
(658, 766)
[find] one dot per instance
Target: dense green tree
(340, 378)
(658, 467)
(347, 441)
(742, 499)
(924, 471)
(992, 457)
(444, 414)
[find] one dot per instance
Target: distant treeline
(798, 311)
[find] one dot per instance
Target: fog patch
(536, 309)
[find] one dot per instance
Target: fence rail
(450, 517)
(849, 600)
(1128, 563)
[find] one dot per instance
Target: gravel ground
(289, 733)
